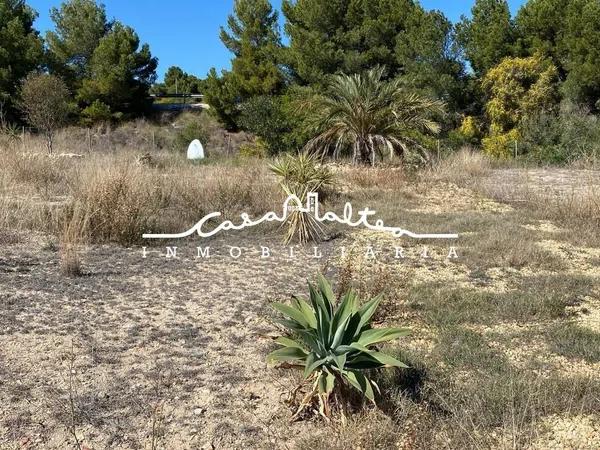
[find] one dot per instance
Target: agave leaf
(287, 354)
(327, 292)
(363, 361)
(344, 349)
(366, 312)
(310, 359)
(313, 366)
(308, 312)
(290, 324)
(345, 308)
(316, 299)
(287, 342)
(340, 360)
(384, 359)
(360, 382)
(339, 334)
(310, 339)
(324, 328)
(352, 329)
(326, 382)
(375, 336)
(292, 313)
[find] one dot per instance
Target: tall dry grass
(120, 198)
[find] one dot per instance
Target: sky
(185, 33)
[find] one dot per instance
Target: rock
(199, 411)
(195, 150)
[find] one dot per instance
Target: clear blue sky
(185, 33)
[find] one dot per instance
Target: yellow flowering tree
(516, 88)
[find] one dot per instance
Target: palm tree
(369, 116)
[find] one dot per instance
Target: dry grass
(122, 199)
(462, 168)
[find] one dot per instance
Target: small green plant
(299, 175)
(334, 342)
(255, 149)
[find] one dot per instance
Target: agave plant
(299, 175)
(334, 342)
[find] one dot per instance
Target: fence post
(23, 139)
(516, 149)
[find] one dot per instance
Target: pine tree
(20, 49)
(487, 37)
(120, 72)
(352, 36)
(253, 38)
(79, 27)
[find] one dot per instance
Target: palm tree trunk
(364, 151)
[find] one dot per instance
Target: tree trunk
(364, 152)
(49, 142)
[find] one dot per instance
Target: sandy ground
(193, 331)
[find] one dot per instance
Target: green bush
(335, 344)
(95, 113)
(194, 129)
(572, 134)
(255, 149)
(264, 116)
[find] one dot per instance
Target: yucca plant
(299, 175)
(334, 343)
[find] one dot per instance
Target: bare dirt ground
(171, 353)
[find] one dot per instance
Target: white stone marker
(195, 150)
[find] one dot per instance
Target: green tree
(540, 24)
(20, 48)
(357, 35)
(488, 36)
(580, 51)
(317, 32)
(79, 27)
(120, 72)
(222, 96)
(370, 116)
(45, 102)
(252, 35)
(178, 81)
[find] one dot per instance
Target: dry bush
(381, 179)
(71, 240)
(462, 168)
(120, 202)
(199, 190)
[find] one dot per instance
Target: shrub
(255, 149)
(501, 145)
(265, 117)
(572, 134)
(45, 103)
(334, 343)
(299, 175)
(194, 129)
(119, 203)
(97, 112)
